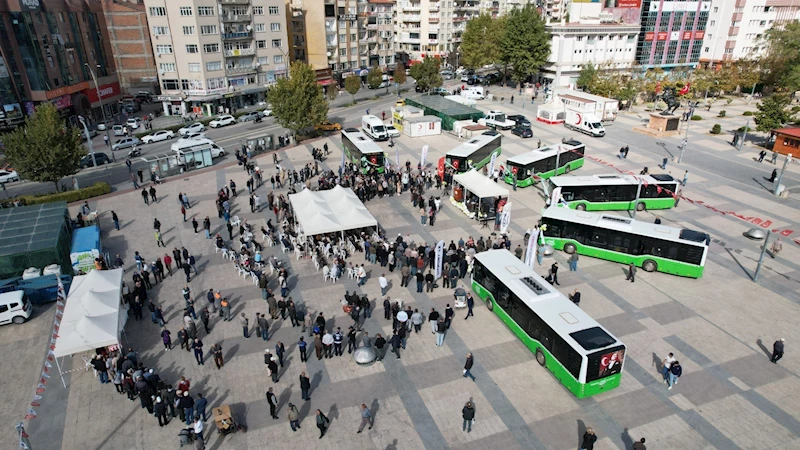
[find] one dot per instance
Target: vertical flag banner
(491, 164)
(505, 218)
(424, 155)
(397, 156)
(439, 258)
(530, 252)
(342, 164)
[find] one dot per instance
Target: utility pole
(761, 258)
(103, 109)
(685, 141)
(88, 140)
(752, 93)
(780, 177)
(636, 202)
(744, 135)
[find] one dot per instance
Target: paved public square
(721, 327)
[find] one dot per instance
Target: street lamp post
(744, 134)
(88, 139)
(102, 109)
(685, 141)
(780, 177)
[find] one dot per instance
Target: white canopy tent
(329, 211)
(474, 194)
(93, 315)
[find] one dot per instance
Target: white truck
(374, 127)
(585, 123)
(497, 120)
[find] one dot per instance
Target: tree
(298, 102)
(426, 73)
(479, 42)
(773, 112)
(587, 77)
(781, 63)
(44, 149)
(400, 74)
(332, 91)
(374, 77)
(525, 42)
(352, 84)
(749, 74)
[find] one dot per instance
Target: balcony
(237, 35)
(239, 70)
(433, 41)
(433, 8)
(411, 7)
(235, 2)
(240, 52)
(236, 17)
(409, 18)
(433, 20)
(460, 18)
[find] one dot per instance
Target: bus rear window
(605, 363)
(593, 338)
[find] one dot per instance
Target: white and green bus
(362, 151)
(652, 247)
(540, 164)
(581, 354)
(615, 192)
(474, 153)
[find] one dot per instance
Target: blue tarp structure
(85, 248)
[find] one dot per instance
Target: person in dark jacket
(200, 407)
(470, 305)
(397, 342)
(589, 439)
(322, 423)
(187, 403)
(468, 414)
(777, 350)
(305, 386)
(161, 412)
(272, 399)
(380, 346)
(468, 367)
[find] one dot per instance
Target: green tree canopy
(44, 149)
(781, 64)
(298, 102)
(525, 42)
(426, 73)
(400, 74)
(352, 84)
(587, 77)
(374, 77)
(480, 41)
(773, 112)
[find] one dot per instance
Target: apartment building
(216, 56)
(605, 36)
(50, 50)
(736, 28)
(672, 33)
(130, 45)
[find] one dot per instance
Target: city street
(720, 327)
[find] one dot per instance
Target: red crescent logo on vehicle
(455, 164)
(579, 119)
(514, 170)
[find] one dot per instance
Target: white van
(14, 307)
(474, 93)
(374, 128)
(184, 145)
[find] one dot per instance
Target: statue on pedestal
(672, 103)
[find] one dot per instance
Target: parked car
(466, 74)
(118, 130)
(267, 112)
(92, 133)
(193, 128)
(522, 131)
(125, 143)
(132, 107)
(101, 126)
(491, 78)
(446, 75)
(161, 135)
(472, 80)
(246, 117)
(328, 126)
(440, 91)
(192, 136)
(144, 97)
(221, 121)
(133, 123)
(101, 159)
(7, 176)
(519, 119)
(392, 131)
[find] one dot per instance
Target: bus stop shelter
(171, 164)
(476, 195)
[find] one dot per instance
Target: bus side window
(568, 195)
(503, 298)
(530, 322)
(672, 252)
(599, 238)
(568, 357)
(640, 247)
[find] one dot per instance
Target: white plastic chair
(224, 252)
(236, 221)
(351, 273)
(316, 264)
(297, 253)
(254, 277)
(268, 240)
(326, 273)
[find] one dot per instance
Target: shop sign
(30, 5)
(106, 91)
(65, 101)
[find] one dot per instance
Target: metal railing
(238, 35)
(239, 70)
(240, 52)
(236, 17)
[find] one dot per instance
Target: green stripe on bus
(577, 388)
(649, 203)
(663, 265)
(578, 163)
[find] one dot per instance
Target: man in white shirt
(362, 275)
(327, 342)
(198, 428)
(384, 283)
(665, 366)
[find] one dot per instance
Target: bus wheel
(569, 248)
(649, 265)
(540, 357)
(567, 169)
(581, 207)
(489, 304)
(640, 206)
